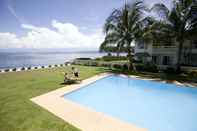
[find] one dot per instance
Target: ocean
(25, 59)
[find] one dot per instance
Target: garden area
(120, 65)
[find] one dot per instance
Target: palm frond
(123, 26)
(160, 9)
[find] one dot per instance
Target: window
(154, 59)
(194, 44)
(167, 60)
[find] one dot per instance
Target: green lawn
(18, 113)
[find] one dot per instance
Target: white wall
(165, 51)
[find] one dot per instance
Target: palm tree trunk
(180, 48)
(129, 57)
(118, 50)
(118, 53)
(190, 54)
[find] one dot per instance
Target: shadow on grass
(70, 82)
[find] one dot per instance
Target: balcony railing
(164, 47)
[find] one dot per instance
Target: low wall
(32, 68)
(98, 63)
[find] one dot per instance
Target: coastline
(18, 69)
(20, 59)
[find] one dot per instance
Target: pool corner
(79, 116)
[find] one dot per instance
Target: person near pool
(66, 77)
(75, 72)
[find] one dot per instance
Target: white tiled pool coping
(80, 116)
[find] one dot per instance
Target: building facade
(166, 54)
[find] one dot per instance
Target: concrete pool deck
(80, 116)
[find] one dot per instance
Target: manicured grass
(18, 113)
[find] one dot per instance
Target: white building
(166, 55)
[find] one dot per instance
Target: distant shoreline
(18, 69)
(10, 60)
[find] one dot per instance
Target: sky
(56, 23)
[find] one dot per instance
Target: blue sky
(22, 21)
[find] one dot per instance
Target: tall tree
(179, 23)
(123, 26)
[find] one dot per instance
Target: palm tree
(111, 49)
(122, 27)
(178, 23)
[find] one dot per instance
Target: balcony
(164, 49)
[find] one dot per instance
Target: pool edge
(79, 116)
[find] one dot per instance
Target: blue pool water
(151, 105)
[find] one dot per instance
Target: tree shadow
(70, 82)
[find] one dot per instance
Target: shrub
(43, 66)
(89, 64)
(113, 58)
(61, 65)
(14, 69)
(193, 74)
(35, 67)
(105, 64)
(55, 65)
(151, 68)
(23, 68)
(7, 70)
(50, 66)
(125, 67)
(139, 67)
(98, 58)
(137, 61)
(93, 63)
(29, 68)
(117, 66)
(83, 58)
(170, 70)
(69, 63)
(146, 67)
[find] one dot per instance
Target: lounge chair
(70, 80)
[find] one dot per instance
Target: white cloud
(9, 40)
(64, 35)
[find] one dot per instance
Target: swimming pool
(152, 105)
